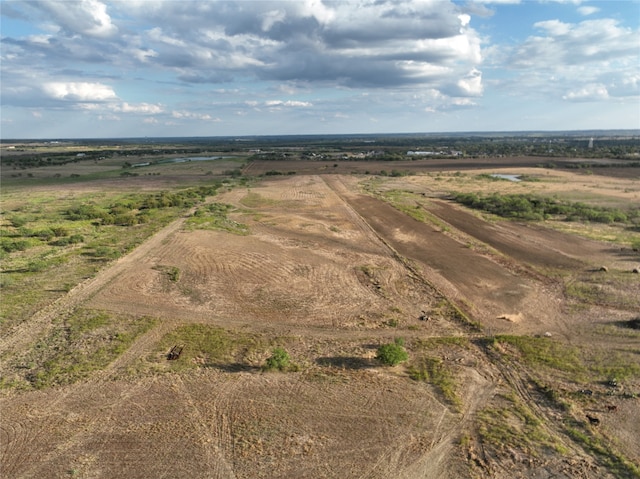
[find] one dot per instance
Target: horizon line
(625, 131)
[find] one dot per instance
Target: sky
(155, 68)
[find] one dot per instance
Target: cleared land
(514, 337)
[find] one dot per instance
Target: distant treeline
(385, 148)
(531, 207)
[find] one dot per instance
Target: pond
(507, 177)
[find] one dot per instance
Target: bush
(393, 353)
(9, 245)
(60, 231)
(279, 360)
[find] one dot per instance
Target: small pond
(507, 177)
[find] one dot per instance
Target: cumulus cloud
(471, 84)
(265, 56)
(381, 44)
(598, 58)
(372, 44)
(569, 44)
(79, 91)
(85, 17)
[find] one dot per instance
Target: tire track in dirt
(57, 410)
(478, 285)
(443, 288)
(216, 442)
(479, 390)
(17, 441)
(526, 244)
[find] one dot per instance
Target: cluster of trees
(533, 207)
(135, 210)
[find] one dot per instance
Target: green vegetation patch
(616, 289)
(209, 346)
(534, 207)
(86, 342)
(49, 243)
(214, 216)
(545, 352)
(513, 425)
(615, 462)
(278, 361)
(435, 372)
(255, 200)
(613, 365)
(392, 354)
(592, 365)
(405, 201)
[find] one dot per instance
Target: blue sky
(95, 68)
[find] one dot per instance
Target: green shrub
(393, 353)
(279, 360)
(9, 245)
(60, 231)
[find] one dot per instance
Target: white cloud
(554, 27)
(272, 17)
(288, 103)
(86, 17)
(354, 44)
(591, 92)
(79, 91)
(308, 59)
(142, 108)
(183, 114)
(471, 85)
(142, 55)
(586, 11)
(503, 2)
(109, 117)
(625, 85)
(600, 43)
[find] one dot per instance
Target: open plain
(517, 332)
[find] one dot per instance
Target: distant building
(590, 142)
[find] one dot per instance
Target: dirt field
(330, 273)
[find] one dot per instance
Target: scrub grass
(209, 346)
(77, 346)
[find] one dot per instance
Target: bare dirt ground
(332, 273)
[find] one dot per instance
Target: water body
(507, 177)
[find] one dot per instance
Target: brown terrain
(330, 273)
